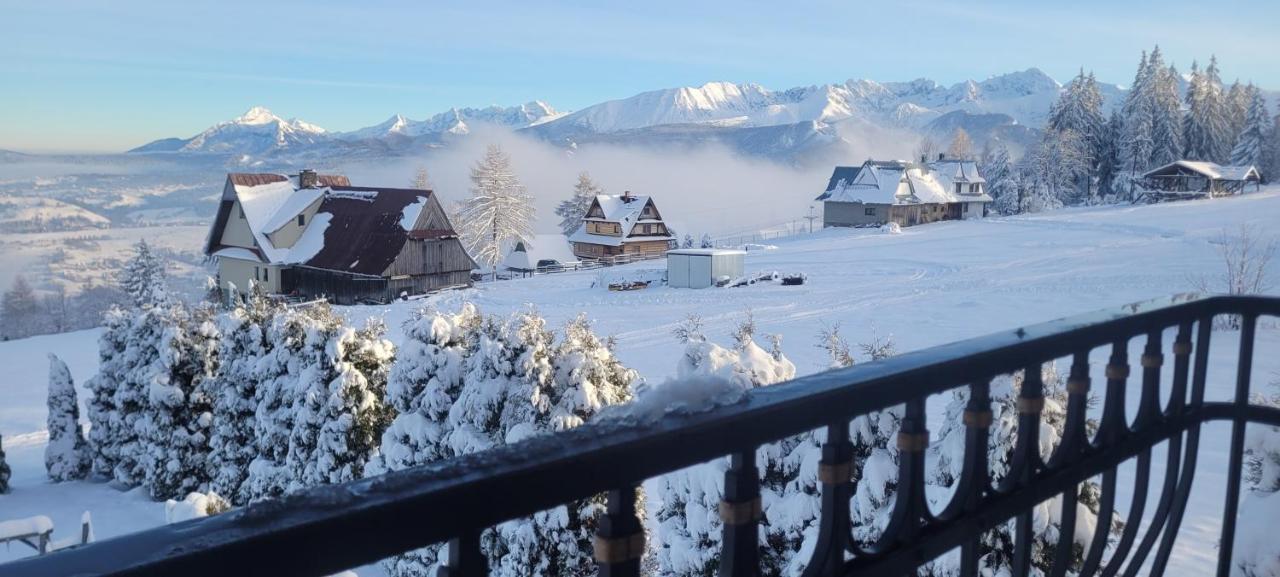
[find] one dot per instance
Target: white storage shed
(702, 267)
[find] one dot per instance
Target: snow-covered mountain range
(746, 117)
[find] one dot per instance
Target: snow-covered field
(926, 286)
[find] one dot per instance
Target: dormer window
(973, 188)
(302, 220)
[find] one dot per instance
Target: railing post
(619, 543)
(465, 557)
(1026, 460)
(740, 513)
(1113, 426)
(835, 473)
(977, 422)
(1244, 371)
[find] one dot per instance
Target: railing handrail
(353, 523)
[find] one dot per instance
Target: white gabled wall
(236, 231)
(240, 272)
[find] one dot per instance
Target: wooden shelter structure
(1185, 179)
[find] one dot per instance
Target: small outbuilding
(1197, 179)
(703, 267)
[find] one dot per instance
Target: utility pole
(812, 216)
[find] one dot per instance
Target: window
(974, 188)
(257, 274)
(966, 209)
(958, 185)
(302, 220)
(869, 211)
(266, 274)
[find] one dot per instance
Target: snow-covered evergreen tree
(421, 180)
(1166, 113)
(689, 529)
(1257, 552)
(1052, 168)
(1250, 145)
(1207, 130)
(244, 347)
(174, 432)
(572, 210)
(338, 413)
(706, 242)
(1109, 161)
(997, 169)
(143, 276)
(67, 455)
(142, 366)
(688, 241)
(499, 212)
(1137, 141)
(280, 372)
(946, 458)
(5, 472)
(1237, 101)
(1271, 152)
(105, 420)
(1079, 110)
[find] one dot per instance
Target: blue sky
(103, 76)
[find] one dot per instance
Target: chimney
(626, 196)
(308, 178)
(942, 156)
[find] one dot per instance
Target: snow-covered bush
(4, 470)
(1257, 550)
(338, 413)
(174, 431)
(946, 457)
(193, 506)
(243, 348)
(66, 457)
(891, 228)
(688, 521)
(143, 277)
(464, 383)
(140, 366)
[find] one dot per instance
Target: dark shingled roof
(364, 234)
(845, 173)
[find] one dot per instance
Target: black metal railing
(326, 529)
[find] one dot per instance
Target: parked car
(549, 264)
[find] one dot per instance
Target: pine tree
(338, 413)
(143, 276)
(1109, 161)
(106, 423)
(499, 211)
(706, 242)
(1249, 147)
(1052, 168)
(961, 145)
(1166, 114)
(67, 455)
(19, 310)
(1238, 99)
(572, 210)
(1208, 126)
(1079, 110)
(174, 433)
(243, 348)
(5, 472)
(688, 241)
(142, 368)
(1138, 139)
(1271, 152)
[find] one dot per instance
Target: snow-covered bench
(37, 533)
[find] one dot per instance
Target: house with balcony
(316, 236)
(619, 226)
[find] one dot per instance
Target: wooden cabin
(906, 193)
(1196, 179)
(619, 226)
(316, 236)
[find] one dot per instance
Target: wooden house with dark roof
(317, 236)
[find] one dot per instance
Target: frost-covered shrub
(278, 373)
(66, 457)
(174, 431)
(140, 366)
(243, 349)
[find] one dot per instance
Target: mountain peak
(257, 115)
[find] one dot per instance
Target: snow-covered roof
(705, 251)
(517, 259)
(900, 182)
(370, 224)
(1211, 170)
(624, 209)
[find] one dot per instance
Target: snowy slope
(927, 286)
